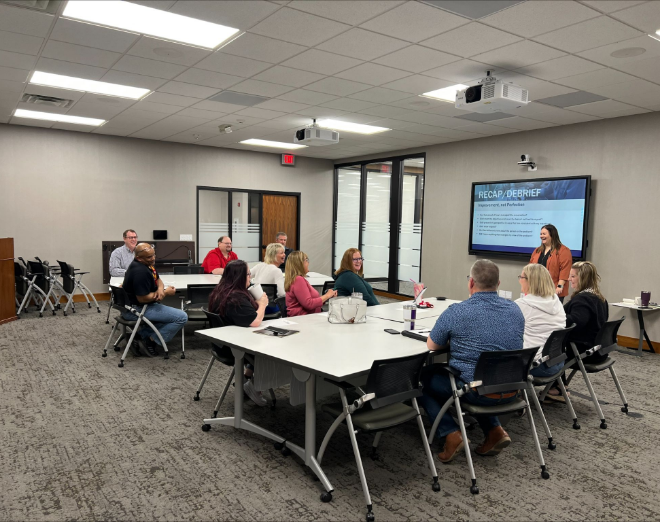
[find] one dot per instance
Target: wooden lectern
(7, 287)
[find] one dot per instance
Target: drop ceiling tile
(517, 122)
(169, 52)
(322, 113)
(112, 101)
(365, 45)
(22, 43)
(133, 80)
(470, 39)
(645, 17)
(276, 125)
(208, 78)
(14, 75)
(187, 89)
(417, 84)
(134, 119)
(629, 92)
(298, 27)
(646, 99)
(536, 17)
(200, 114)
(337, 86)
(270, 90)
(167, 127)
(414, 22)
(230, 64)
(446, 109)
(560, 68)
(393, 124)
(626, 112)
(92, 36)
(282, 106)
(137, 65)
(550, 114)
(410, 136)
(347, 104)
(156, 107)
(237, 13)
(261, 48)
(110, 131)
(354, 12)
(571, 99)
(225, 108)
(462, 71)
(610, 6)
(602, 108)
(256, 112)
(70, 69)
(595, 79)
(604, 56)
(648, 69)
(519, 55)
(373, 74)
(488, 130)
(588, 35)
(321, 62)
(386, 111)
(163, 5)
(379, 95)
(17, 60)
(288, 76)
(96, 110)
(292, 120)
(24, 21)
(416, 59)
(80, 54)
(307, 97)
(171, 99)
(7, 85)
(190, 136)
(73, 127)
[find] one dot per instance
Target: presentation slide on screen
(508, 217)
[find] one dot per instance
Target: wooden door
(280, 214)
(7, 303)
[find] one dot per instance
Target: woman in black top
(236, 307)
(587, 309)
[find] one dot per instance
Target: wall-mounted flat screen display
(506, 217)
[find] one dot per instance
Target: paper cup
(256, 291)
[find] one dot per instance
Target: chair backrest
(214, 319)
(327, 286)
(271, 291)
(41, 271)
(281, 304)
(607, 336)
(503, 370)
(395, 380)
(119, 298)
(67, 276)
(188, 269)
(199, 294)
(20, 272)
(554, 346)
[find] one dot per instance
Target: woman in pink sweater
(301, 298)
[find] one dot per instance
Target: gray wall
(622, 155)
(62, 193)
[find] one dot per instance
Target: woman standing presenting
(555, 257)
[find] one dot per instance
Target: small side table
(642, 332)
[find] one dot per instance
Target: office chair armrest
(538, 363)
(451, 370)
(591, 351)
(472, 385)
(358, 403)
(344, 385)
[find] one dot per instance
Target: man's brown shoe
(496, 441)
(453, 444)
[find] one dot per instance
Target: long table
(320, 349)
(394, 311)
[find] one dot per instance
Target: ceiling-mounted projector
(491, 95)
(315, 136)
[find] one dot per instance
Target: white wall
(622, 156)
(62, 193)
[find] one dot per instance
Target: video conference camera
(526, 161)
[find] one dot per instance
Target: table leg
(642, 332)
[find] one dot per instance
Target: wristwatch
(560, 286)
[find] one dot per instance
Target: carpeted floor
(82, 439)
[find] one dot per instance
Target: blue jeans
(437, 389)
(167, 320)
(544, 371)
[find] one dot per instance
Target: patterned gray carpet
(83, 439)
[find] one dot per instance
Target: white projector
(316, 137)
(491, 95)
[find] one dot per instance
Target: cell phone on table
(391, 331)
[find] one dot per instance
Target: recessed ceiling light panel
(80, 84)
(273, 144)
(153, 22)
(351, 127)
(447, 94)
(79, 120)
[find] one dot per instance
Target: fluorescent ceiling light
(274, 144)
(656, 37)
(154, 22)
(35, 115)
(447, 94)
(80, 84)
(351, 127)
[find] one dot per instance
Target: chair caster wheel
(89, 305)
(215, 414)
(375, 456)
(196, 397)
(370, 517)
(625, 409)
(552, 446)
(603, 425)
(121, 364)
(545, 474)
(474, 490)
(436, 486)
(326, 496)
(286, 451)
(104, 354)
(576, 426)
(64, 314)
(54, 312)
(278, 446)
(167, 356)
(183, 355)
(40, 314)
(107, 322)
(206, 427)
(117, 349)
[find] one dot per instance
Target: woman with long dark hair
(231, 300)
(555, 257)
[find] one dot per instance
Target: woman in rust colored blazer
(556, 258)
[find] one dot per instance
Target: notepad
(275, 332)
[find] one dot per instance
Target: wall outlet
(185, 237)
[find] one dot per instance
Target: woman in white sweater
(543, 313)
(268, 272)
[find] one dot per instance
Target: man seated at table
(143, 286)
(484, 322)
(122, 257)
(281, 239)
(216, 260)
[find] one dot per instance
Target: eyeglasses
(249, 274)
(521, 277)
(358, 259)
(307, 260)
(223, 243)
(131, 237)
(469, 277)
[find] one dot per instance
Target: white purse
(347, 310)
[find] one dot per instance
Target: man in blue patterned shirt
(484, 322)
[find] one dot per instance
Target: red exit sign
(288, 160)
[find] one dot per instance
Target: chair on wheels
(122, 304)
(496, 372)
(29, 286)
(193, 303)
(188, 269)
(380, 407)
(72, 281)
(604, 344)
(223, 355)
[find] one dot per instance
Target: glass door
(245, 229)
(213, 219)
(410, 225)
(347, 211)
(376, 224)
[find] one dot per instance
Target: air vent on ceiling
(44, 6)
(50, 101)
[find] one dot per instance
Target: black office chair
(496, 372)
(326, 286)
(273, 301)
(122, 303)
(30, 286)
(378, 408)
(188, 269)
(48, 281)
(193, 303)
(72, 281)
(604, 344)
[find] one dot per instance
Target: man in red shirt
(216, 260)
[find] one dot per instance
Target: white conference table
(394, 311)
(320, 349)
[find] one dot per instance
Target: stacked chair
(71, 282)
(32, 282)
